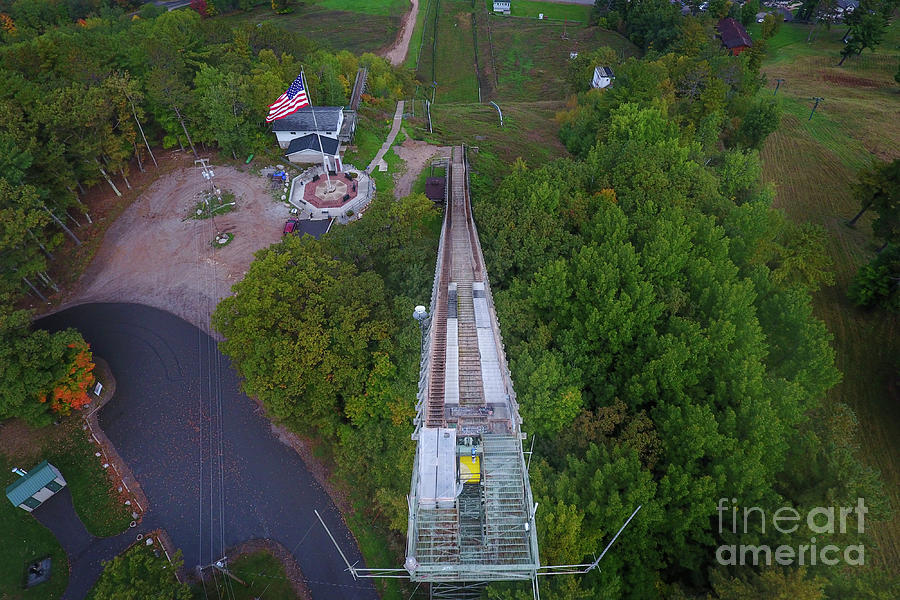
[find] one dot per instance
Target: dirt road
(396, 54)
(153, 254)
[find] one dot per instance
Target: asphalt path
(207, 460)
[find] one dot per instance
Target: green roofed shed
(36, 486)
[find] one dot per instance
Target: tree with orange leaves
(7, 24)
(71, 391)
(41, 373)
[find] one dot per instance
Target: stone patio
(314, 200)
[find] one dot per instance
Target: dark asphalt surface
(175, 393)
(85, 552)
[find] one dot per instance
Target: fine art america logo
(821, 520)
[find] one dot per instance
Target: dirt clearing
(417, 155)
(155, 255)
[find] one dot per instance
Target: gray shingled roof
(309, 142)
(327, 118)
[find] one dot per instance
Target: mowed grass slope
(550, 10)
(529, 131)
(448, 54)
(531, 57)
(812, 163)
(358, 31)
(369, 7)
(467, 49)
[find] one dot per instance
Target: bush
(877, 283)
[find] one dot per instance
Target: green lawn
(532, 57)
(811, 163)
(371, 131)
(261, 571)
(359, 31)
(455, 61)
(25, 540)
(67, 447)
(530, 130)
(370, 7)
(98, 506)
(550, 10)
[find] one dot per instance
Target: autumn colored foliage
(7, 24)
(72, 390)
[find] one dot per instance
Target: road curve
(209, 491)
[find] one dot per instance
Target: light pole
(778, 83)
(817, 99)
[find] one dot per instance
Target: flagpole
(318, 136)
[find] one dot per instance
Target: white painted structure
(603, 77)
(330, 120)
(309, 150)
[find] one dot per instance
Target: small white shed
(603, 77)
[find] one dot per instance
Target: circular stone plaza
(342, 195)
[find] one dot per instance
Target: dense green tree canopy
(140, 575)
(322, 335)
(658, 321)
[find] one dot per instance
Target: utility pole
(817, 99)
(221, 565)
(778, 83)
(208, 175)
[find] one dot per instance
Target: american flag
(289, 102)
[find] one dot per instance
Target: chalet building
(501, 6)
(603, 77)
(734, 37)
(330, 121)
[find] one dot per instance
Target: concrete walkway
(395, 129)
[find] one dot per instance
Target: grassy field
(371, 131)
(335, 28)
(263, 573)
(370, 7)
(67, 447)
(448, 54)
(812, 162)
(531, 57)
(529, 129)
(505, 59)
(550, 10)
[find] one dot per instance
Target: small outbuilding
(734, 37)
(434, 188)
(603, 77)
(502, 6)
(35, 486)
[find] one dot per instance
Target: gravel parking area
(154, 255)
